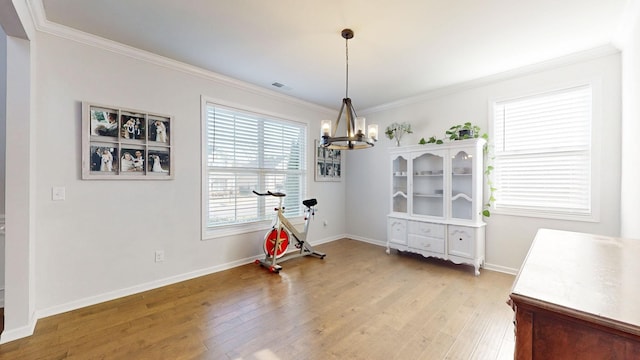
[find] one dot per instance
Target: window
(247, 151)
(543, 154)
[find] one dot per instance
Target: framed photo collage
(122, 143)
(328, 164)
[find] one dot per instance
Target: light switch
(57, 193)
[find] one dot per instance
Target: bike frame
(281, 223)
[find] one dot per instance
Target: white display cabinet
(436, 201)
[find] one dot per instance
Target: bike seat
(309, 202)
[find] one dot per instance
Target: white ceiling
(401, 48)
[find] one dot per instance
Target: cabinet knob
(460, 239)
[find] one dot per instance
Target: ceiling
(401, 48)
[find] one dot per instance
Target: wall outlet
(159, 255)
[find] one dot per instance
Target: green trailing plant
(433, 140)
(471, 131)
(488, 155)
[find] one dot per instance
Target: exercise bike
(277, 239)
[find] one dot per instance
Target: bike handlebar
(270, 193)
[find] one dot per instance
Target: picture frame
(329, 165)
(119, 143)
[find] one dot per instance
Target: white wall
(100, 242)
(3, 121)
(3, 140)
(631, 127)
(508, 237)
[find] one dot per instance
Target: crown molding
(586, 55)
(42, 24)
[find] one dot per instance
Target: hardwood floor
(357, 303)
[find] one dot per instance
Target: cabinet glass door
(399, 185)
(462, 186)
(428, 185)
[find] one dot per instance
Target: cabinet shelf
(462, 196)
(428, 195)
(428, 175)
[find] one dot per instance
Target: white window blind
(543, 153)
(248, 151)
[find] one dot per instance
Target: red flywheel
(270, 243)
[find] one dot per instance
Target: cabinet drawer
(426, 243)
(397, 229)
(462, 241)
(426, 229)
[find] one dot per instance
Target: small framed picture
(104, 159)
(132, 126)
(104, 121)
(132, 161)
(159, 129)
(120, 143)
(328, 164)
(159, 162)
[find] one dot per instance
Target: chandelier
(355, 137)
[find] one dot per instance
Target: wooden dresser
(577, 296)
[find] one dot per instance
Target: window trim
(596, 145)
(248, 227)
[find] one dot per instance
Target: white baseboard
(19, 333)
(382, 243)
(500, 268)
(328, 240)
(112, 295)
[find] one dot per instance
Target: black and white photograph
(133, 126)
(104, 158)
(158, 162)
(104, 122)
(328, 164)
(159, 129)
(132, 160)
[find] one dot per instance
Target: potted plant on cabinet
(397, 130)
(464, 131)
